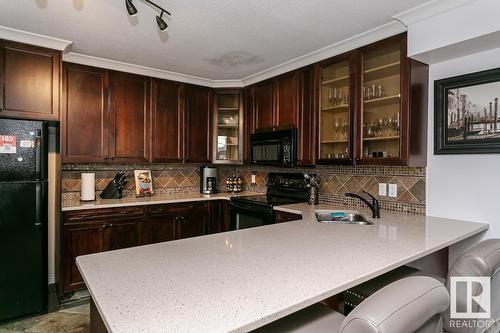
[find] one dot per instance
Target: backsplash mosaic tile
(335, 181)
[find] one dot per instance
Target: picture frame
(143, 183)
(467, 114)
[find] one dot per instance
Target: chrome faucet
(374, 205)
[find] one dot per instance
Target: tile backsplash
(335, 181)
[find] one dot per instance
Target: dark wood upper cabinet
(198, 105)
(307, 117)
(287, 100)
(264, 105)
(167, 121)
(392, 100)
(29, 81)
(248, 122)
(106, 116)
(373, 107)
(337, 108)
(129, 125)
(84, 134)
(284, 102)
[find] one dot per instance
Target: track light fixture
(132, 11)
(162, 25)
(161, 22)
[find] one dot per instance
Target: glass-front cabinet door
(381, 103)
(228, 121)
(336, 112)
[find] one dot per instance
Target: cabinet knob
(112, 157)
(110, 225)
(105, 157)
(104, 226)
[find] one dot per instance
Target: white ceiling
(213, 39)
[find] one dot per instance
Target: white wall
(465, 187)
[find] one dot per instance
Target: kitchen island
(240, 280)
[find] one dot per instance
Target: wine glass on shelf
(380, 127)
(387, 130)
(336, 129)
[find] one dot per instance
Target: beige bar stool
(483, 259)
(412, 304)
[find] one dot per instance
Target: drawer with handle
(105, 213)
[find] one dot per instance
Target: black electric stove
(267, 200)
(257, 210)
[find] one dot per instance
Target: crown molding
(428, 9)
(349, 44)
(26, 37)
(84, 59)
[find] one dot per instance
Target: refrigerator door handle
(38, 154)
(38, 204)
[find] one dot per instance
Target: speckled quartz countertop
(156, 199)
(240, 280)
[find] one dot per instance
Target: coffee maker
(208, 180)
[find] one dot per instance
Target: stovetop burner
(268, 200)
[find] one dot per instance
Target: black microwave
(277, 148)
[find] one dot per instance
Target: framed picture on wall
(467, 114)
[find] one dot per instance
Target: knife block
(112, 192)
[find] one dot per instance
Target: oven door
(245, 215)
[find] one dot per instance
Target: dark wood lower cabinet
(80, 239)
(160, 225)
(219, 216)
(193, 220)
(93, 231)
(287, 217)
(124, 233)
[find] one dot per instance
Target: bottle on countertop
(312, 189)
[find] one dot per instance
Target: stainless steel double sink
(338, 217)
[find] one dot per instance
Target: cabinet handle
(105, 157)
(110, 225)
(104, 226)
(112, 157)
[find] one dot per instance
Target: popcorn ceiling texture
(335, 181)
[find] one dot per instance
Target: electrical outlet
(393, 190)
(254, 180)
(382, 189)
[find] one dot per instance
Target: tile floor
(67, 320)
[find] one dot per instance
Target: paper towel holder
(87, 187)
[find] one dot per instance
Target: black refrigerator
(23, 217)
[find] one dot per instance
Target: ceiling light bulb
(161, 22)
(130, 7)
